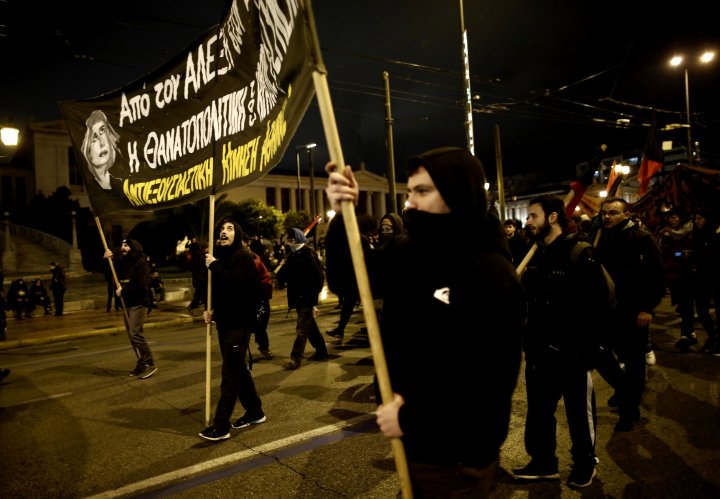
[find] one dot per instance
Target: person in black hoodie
(134, 291)
(478, 311)
(236, 294)
(304, 277)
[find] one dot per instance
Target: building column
(293, 199)
(278, 198)
(383, 205)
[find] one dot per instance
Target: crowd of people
(590, 289)
(582, 301)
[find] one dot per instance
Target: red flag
(652, 161)
(611, 178)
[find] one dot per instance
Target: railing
(52, 243)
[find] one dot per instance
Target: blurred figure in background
(39, 296)
(57, 286)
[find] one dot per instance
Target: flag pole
(117, 283)
(208, 306)
(322, 94)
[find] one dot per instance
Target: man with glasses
(632, 257)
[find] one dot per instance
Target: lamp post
(308, 148)
(313, 198)
(676, 61)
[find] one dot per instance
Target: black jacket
(236, 287)
(565, 300)
(134, 275)
(632, 257)
(304, 276)
(451, 334)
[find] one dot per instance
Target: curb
(10, 344)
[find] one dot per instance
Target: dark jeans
(307, 329)
(134, 323)
(548, 377)
(237, 382)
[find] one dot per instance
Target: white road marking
(183, 473)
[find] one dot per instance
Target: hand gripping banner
(218, 116)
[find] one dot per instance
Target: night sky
(553, 76)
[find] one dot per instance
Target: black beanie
(458, 176)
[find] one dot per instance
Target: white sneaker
(650, 358)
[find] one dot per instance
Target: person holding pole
(452, 447)
(133, 289)
(236, 294)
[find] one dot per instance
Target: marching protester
(263, 314)
(480, 311)
(236, 294)
(632, 257)
(304, 277)
(341, 277)
(564, 294)
(706, 274)
(134, 289)
(675, 241)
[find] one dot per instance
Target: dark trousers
(112, 297)
(307, 329)
(630, 343)
(348, 306)
(59, 299)
(440, 482)
(549, 377)
(134, 322)
(237, 382)
(261, 324)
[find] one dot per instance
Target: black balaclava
(460, 179)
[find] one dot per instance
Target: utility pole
(389, 145)
(468, 94)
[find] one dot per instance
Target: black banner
(218, 116)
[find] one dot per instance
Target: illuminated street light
(9, 135)
(308, 148)
(9, 138)
(676, 61)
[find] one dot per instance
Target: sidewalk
(85, 312)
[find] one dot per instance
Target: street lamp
(9, 137)
(308, 148)
(676, 61)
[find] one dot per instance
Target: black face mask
(424, 225)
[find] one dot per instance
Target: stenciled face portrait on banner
(100, 147)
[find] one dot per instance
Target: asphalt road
(73, 424)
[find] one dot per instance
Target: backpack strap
(577, 249)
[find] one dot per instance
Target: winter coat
(236, 287)
(565, 297)
(134, 276)
(451, 336)
(304, 277)
(632, 257)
